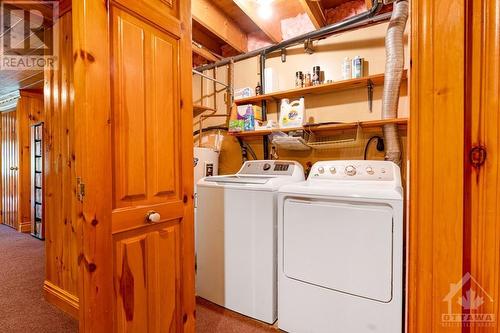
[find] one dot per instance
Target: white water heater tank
(206, 163)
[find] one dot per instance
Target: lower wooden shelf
(327, 127)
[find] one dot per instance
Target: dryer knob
(321, 170)
(267, 166)
(350, 170)
(333, 170)
(369, 170)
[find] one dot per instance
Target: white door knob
(153, 217)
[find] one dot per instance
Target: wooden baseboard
(61, 298)
(24, 227)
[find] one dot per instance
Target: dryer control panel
(355, 170)
(270, 168)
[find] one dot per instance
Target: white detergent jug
(292, 114)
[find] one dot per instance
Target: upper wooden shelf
(374, 80)
(327, 127)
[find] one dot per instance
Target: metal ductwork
(394, 67)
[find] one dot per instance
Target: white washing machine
(340, 250)
(237, 237)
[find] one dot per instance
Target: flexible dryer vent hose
(394, 68)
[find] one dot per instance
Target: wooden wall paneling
(436, 132)
(61, 221)
(10, 163)
(187, 255)
(92, 150)
(29, 111)
(483, 213)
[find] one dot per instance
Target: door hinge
(80, 189)
(478, 156)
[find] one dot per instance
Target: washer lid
(234, 179)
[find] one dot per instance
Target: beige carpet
(22, 307)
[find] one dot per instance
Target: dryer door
(340, 245)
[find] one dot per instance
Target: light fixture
(265, 9)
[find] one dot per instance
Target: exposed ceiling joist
(204, 53)
(213, 19)
(271, 27)
(315, 12)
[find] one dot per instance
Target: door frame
(92, 104)
(436, 135)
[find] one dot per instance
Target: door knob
(153, 217)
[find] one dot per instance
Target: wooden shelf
(374, 80)
(327, 127)
(202, 108)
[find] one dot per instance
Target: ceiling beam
(204, 53)
(212, 18)
(315, 12)
(271, 27)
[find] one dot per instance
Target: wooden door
(10, 169)
(134, 158)
(482, 171)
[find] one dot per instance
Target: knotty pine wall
(61, 237)
(344, 106)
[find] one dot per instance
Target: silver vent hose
(394, 67)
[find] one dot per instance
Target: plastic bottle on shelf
(346, 69)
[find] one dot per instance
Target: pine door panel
(145, 114)
(10, 166)
(147, 281)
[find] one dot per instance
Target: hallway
(21, 280)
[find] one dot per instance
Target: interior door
(146, 151)
(10, 167)
(135, 160)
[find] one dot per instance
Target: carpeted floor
(211, 318)
(22, 307)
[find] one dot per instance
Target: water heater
(206, 163)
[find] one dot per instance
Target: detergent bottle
(291, 114)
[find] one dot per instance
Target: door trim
(436, 131)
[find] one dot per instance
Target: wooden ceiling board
(206, 38)
(214, 19)
(11, 81)
(236, 13)
(287, 8)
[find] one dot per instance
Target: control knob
(267, 166)
(321, 170)
(369, 170)
(350, 170)
(333, 170)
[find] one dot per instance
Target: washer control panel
(354, 170)
(271, 168)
